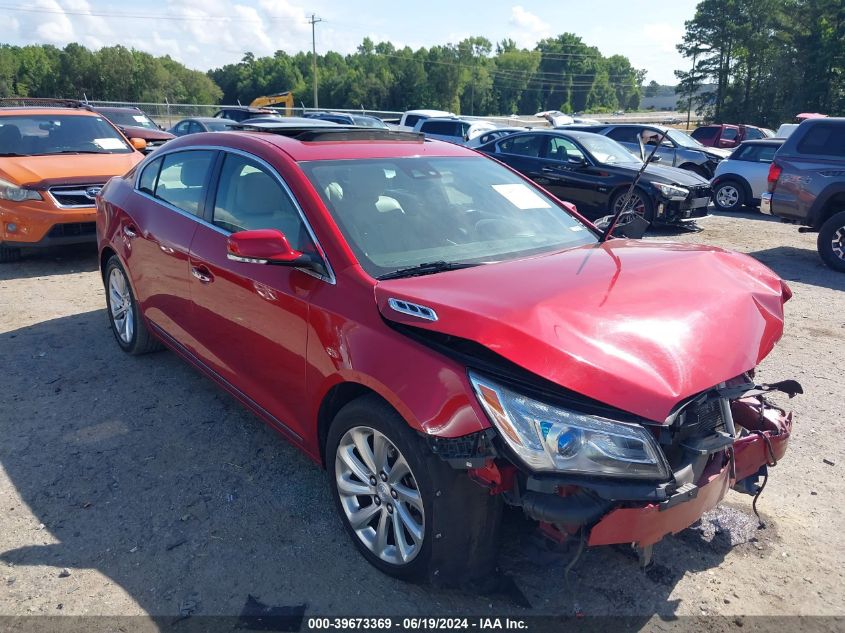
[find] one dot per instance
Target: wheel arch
(105, 255)
(830, 202)
(337, 397)
(740, 180)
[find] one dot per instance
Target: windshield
(402, 212)
(220, 125)
(129, 118)
(368, 121)
(683, 139)
(45, 134)
(606, 150)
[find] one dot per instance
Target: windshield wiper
(77, 151)
(427, 268)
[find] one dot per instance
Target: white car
(492, 135)
(556, 118)
(453, 129)
(741, 178)
(411, 117)
(785, 130)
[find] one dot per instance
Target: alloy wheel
(837, 243)
(727, 196)
(120, 304)
(635, 204)
(379, 495)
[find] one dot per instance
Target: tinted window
(824, 140)
(624, 134)
(181, 128)
(147, 181)
(766, 153)
(704, 133)
(729, 134)
(753, 133)
(182, 179)
(522, 145)
(564, 150)
(755, 153)
(411, 120)
(248, 197)
(447, 128)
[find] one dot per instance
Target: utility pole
(313, 21)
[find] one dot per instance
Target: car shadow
(802, 265)
(140, 469)
(747, 213)
(43, 262)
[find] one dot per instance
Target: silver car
(741, 178)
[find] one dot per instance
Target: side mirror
(577, 160)
(138, 143)
(655, 158)
(264, 246)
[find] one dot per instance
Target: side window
(729, 134)
(753, 133)
(147, 181)
(181, 128)
(248, 197)
(181, 181)
(195, 128)
(411, 120)
(447, 128)
(564, 150)
(825, 140)
(624, 134)
(743, 152)
(522, 145)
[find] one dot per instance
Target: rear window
(755, 153)
(824, 140)
(411, 120)
(705, 133)
(447, 128)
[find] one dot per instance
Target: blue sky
(208, 33)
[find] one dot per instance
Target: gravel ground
(135, 486)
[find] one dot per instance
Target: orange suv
(55, 156)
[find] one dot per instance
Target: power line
(156, 16)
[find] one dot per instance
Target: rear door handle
(130, 231)
(202, 273)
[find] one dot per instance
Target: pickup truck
(806, 185)
(727, 135)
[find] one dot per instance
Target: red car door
(250, 320)
(171, 192)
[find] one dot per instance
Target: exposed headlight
(8, 191)
(550, 438)
(672, 192)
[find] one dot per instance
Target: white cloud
(527, 28)
(663, 36)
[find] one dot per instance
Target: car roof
(429, 112)
(335, 143)
(209, 119)
(116, 109)
(18, 111)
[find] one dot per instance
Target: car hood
(130, 131)
(639, 326)
(33, 171)
(718, 152)
(655, 172)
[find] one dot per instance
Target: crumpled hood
(718, 152)
(674, 175)
(49, 170)
(636, 325)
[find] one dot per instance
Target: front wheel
(729, 196)
(831, 241)
(408, 512)
(639, 202)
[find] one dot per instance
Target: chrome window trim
(329, 278)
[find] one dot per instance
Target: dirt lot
(135, 486)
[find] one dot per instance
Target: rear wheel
(729, 196)
(639, 202)
(9, 254)
(124, 315)
(831, 241)
(408, 512)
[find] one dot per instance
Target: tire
(729, 196)
(9, 254)
(640, 201)
(831, 241)
(130, 331)
(455, 520)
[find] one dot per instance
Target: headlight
(8, 191)
(550, 438)
(672, 192)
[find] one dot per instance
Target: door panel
(161, 237)
(250, 319)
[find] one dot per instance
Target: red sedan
(443, 336)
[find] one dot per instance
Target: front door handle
(202, 273)
(547, 170)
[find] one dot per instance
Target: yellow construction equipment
(285, 98)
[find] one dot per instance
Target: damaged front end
(621, 482)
